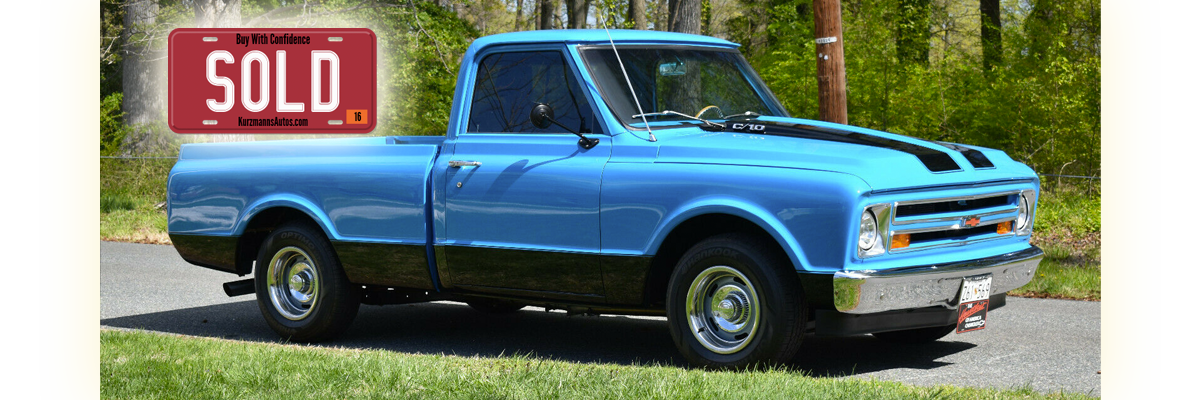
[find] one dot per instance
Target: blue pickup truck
(621, 172)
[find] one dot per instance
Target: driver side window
(508, 85)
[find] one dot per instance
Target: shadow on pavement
(438, 328)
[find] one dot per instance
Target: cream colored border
(69, 187)
(1150, 152)
(49, 147)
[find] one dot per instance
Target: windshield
(678, 78)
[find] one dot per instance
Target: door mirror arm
(542, 116)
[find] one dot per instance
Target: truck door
(522, 203)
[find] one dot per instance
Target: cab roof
(573, 36)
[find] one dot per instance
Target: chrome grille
(952, 221)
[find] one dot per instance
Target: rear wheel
(301, 289)
(734, 302)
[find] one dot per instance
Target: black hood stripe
(934, 160)
(976, 157)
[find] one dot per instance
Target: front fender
(808, 213)
(734, 206)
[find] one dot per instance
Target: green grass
(142, 179)
(143, 365)
(143, 224)
(115, 202)
(1067, 228)
(129, 191)
(1064, 281)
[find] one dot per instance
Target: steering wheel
(705, 109)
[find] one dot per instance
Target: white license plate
(976, 288)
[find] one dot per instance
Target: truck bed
(365, 191)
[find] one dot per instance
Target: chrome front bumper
(869, 291)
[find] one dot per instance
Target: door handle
(457, 164)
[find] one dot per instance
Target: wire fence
(175, 158)
(136, 158)
(1070, 176)
(145, 177)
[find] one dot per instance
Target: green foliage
(421, 45)
(112, 16)
(1071, 208)
(1041, 104)
(112, 128)
(428, 43)
(142, 179)
(789, 65)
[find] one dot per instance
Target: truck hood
(885, 161)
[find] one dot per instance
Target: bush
(112, 126)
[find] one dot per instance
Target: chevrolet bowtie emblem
(970, 222)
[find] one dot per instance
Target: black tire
(302, 252)
(915, 336)
(495, 306)
(772, 336)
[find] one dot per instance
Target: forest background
(1022, 76)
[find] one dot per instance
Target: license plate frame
(973, 303)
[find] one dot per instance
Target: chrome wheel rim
(722, 309)
(293, 283)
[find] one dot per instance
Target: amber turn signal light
(1004, 227)
(900, 241)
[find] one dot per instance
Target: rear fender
(286, 200)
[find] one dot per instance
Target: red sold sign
(271, 80)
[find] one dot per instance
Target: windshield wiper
(745, 115)
(707, 124)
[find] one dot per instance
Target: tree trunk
(685, 16)
(545, 14)
(662, 14)
(218, 13)
(141, 77)
(912, 32)
(758, 25)
(831, 65)
(637, 14)
(577, 11)
(989, 33)
(517, 24)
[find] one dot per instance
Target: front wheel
(734, 302)
(301, 289)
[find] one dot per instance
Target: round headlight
(868, 231)
(1023, 213)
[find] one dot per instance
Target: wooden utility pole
(831, 65)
